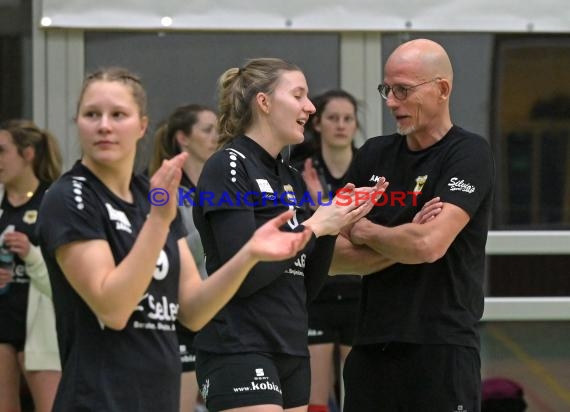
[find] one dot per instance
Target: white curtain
(310, 15)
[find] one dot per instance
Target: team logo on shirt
(162, 266)
(420, 182)
(290, 194)
(120, 219)
(30, 217)
(455, 184)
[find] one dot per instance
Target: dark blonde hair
(47, 158)
(237, 87)
(117, 74)
(165, 144)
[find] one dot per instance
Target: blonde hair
(237, 87)
(117, 74)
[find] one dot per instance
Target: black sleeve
(468, 174)
(69, 212)
(229, 242)
(318, 265)
(177, 226)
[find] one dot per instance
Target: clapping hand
(270, 243)
(349, 205)
(164, 185)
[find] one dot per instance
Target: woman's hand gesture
(270, 243)
(164, 186)
(348, 206)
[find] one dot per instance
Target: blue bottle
(6, 258)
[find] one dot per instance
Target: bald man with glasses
(417, 344)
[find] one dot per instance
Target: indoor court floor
(534, 354)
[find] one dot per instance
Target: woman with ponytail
(253, 356)
(29, 162)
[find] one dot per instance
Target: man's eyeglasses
(400, 92)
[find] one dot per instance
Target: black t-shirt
(14, 303)
(439, 302)
(242, 187)
(185, 335)
(339, 287)
(137, 368)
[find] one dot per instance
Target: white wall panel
(341, 15)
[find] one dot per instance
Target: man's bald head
(423, 58)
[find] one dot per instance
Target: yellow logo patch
(420, 182)
(30, 217)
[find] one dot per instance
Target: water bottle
(6, 258)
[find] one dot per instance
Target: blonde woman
(120, 266)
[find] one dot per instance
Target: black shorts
(409, 377)
(246, 379)
(333, 321)
(13, 318)
(186, 345)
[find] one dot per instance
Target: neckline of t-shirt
(440, 142)
(109, 191)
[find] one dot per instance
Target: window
(15, 54)
(532, 132)
(531, 141)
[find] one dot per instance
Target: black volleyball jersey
(439, 302)
(23, 219)
(243, 187)
(137, 368)
(337, 287)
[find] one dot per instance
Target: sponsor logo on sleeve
(455, 184)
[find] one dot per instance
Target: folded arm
(350, 259)
(361, 259)
(413, 243)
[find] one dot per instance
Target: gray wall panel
(471, 56)
(179, 68)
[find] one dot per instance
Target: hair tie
(240, 70)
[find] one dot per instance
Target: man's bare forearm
(349, 259)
